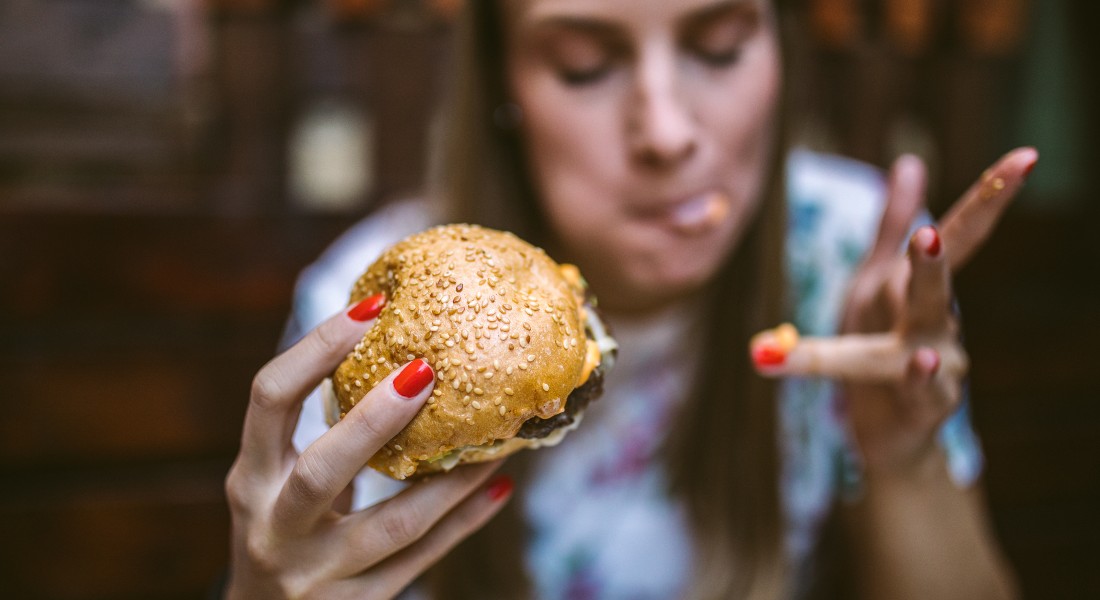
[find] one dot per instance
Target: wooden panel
(1031, 319)
(127, 346)
(144, 533)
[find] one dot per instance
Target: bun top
(499, 321)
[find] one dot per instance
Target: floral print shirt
(625, 537)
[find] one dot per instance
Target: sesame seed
(509, 391)
(545, 387)
(508, 370)
(502, 411)
(522, 366)
(479, 391)
(476, 405)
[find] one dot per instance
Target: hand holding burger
(516, 345)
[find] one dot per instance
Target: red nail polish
(413, 378)
(932, 362)
(367, 308)
(500, 488)
(1028, 169)
(768, 355)
(933, 248)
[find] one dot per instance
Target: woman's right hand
(288, 540)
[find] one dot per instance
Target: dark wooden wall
(147, 258)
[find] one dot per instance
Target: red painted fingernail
(500, 488)
(413, 378)
(932, 245)
(1029, 168)
(367, 308)
(929, 361)
(768, 355)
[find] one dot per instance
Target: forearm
(921, 536)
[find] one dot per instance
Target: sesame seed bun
(502, 324)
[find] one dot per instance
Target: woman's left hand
(899, 353)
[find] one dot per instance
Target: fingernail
(768, 354)
(931, 241)
(929, 361)
(500, 488)
(367, 308)
(1029, 168)
(413, 378)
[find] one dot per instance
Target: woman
(643, 141)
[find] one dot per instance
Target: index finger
(905, 197)
(283, 383)
(971, 220)
(330, 463)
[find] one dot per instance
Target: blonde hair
(722, 454)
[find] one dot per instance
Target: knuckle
(263, 555)
(366, 428)
(237, 491)
(328, 339)
(265, 390)
(309, 478)
(400, 528)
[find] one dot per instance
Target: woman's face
(648, 126)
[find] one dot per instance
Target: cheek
(573, 146)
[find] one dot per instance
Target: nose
(661, 127)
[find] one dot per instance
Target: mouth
(693, 215)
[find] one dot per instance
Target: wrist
(915, 468)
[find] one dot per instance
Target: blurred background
(168, 166)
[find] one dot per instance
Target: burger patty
(538, 428)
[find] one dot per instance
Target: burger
(518, 348)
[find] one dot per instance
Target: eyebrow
(716, 11)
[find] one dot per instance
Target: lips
(696, 214)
